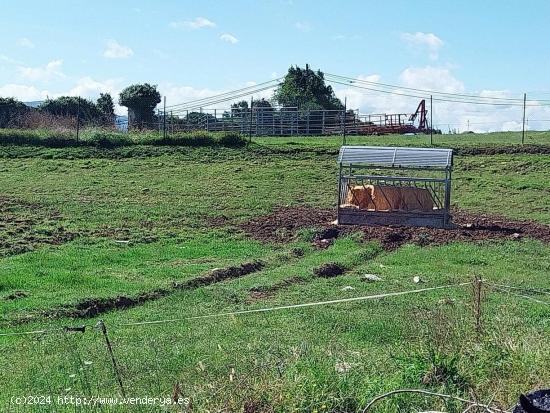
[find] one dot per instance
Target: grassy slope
(286, 359)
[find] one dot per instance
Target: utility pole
(164, 120)
(523, 129)
(345, 110)
(431, 121)
(77, 118)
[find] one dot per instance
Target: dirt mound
(221, 274)
(325, 237)
(329, 270)
(282, 225)
(95, 306)
(25, 226)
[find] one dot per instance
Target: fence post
(477, 286)
(101, 325)
(431, 121)
(345, 110)
(523, 129)
(77, 118)
(164, 120)
(250, 122)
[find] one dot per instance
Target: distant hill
(33, 104)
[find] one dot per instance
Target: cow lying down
(389, 198)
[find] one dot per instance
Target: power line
(228, 99)
(437, 99)
(236, 91)
(431, 92)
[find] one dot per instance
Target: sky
(195, 49)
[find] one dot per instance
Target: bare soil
(329, 270)
(26, 226)
(92, 307)
(282, 226)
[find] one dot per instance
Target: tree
(72, 106)
(239, 109)
(261, 103)
(306, 89)
(140, 99)
(11, 112)
(106, 106)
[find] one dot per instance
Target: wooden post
(164, 120)
(477, 285)
(103, 329)
(431, 121)
(78, 118)
(523, 129)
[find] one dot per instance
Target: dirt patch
(266, 291)
(25, 226)
(282, 225)
(329, 270)
(95, 306)
(497, 150)
(324, 238)
(469, 227)
(221, 274)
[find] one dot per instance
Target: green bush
(101, 138)
(231, 139)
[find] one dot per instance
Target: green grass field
(88, 223)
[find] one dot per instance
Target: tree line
(301, 88)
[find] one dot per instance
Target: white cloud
(447, 115)
(24, 93)
(115, 50)
(427, 41)
(229, 38)
(25, 42)
(303, 26)
(196, 23)
(42, 73)
(432, 78)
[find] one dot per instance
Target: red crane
(421, 110)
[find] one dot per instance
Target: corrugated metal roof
(396, 157)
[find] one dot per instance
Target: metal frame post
(250, 122)
(345, 110)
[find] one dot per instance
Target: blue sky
(193, 49)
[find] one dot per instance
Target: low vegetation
(96, 137)
(133, 231)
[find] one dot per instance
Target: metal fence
(284, 122)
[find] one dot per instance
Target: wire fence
(106, 335)
(220, 113)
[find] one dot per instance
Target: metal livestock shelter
(394, 186)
